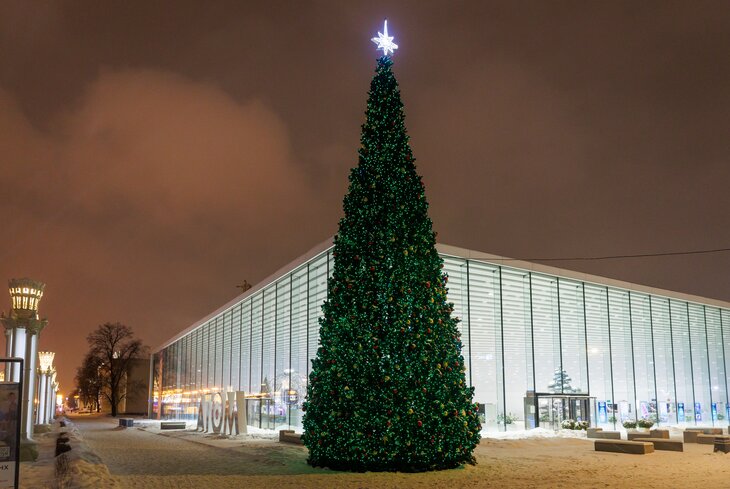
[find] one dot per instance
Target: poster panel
(9, 415)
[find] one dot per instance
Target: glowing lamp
(25, 295)
(45, 360)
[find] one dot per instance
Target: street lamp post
(45, 359)
(52, 389)
(22, 329)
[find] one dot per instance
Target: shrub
(645, 423)
(507, 418)
(570, 424)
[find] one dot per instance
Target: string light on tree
(384, 41)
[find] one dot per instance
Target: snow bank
(535, 433)
(80, 468)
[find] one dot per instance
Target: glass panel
(299, 345)
(283, 373)
(256, 342)
(663, 361)
(701, 375)
(197, 365)
(518, 366)
(205, 334)
(155, 386)
(456, 272)
(599, 354)
(725, 326)
(549, 375)
(486, 341)
(180, 364)
(623, 371)
(682, 362)
(717, 367)
(643, 356)
(236, 331)
(573, 338)
(317, 296)
(213, 355)
(268, 374)
(225, 352)
(246, 331)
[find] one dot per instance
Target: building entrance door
(553, 409)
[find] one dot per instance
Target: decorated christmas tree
(387, 389)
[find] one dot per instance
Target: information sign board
(10, 419)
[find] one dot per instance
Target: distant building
(134, 389)
(541, 345)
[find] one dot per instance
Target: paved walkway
(137, 458)
(141, 459)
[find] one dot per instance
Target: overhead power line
(617, 257)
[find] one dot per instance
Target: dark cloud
(155, 154)
(148, 193)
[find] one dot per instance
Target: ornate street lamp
(45, 368)
(53, 389)
(22, 329)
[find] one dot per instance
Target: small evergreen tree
(387, 389)
(561, 382)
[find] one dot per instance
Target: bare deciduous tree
(114, 346)
(88, 381)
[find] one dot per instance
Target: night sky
(156, 154)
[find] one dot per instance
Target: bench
(172, 425)
(622, 446)
(607, 435)
(722, 444)
(664, 444)
(126, 422)
(590, 432)
(706, 431)
(288, 436)
(659, 433)
(690, 436)
(704, 439)
(633, 435)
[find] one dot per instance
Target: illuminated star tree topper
(384, 41)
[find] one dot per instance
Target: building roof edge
(456, 252)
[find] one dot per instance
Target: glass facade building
(541, 345)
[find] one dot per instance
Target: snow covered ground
(145, 457)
